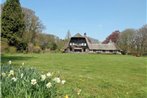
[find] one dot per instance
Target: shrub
(30, 47)
(36, 49)
(5, 48)
(12, 49)
(22, 46)
(47, 50)
(4, 45)
(28, 83)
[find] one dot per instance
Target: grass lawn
(98, 76)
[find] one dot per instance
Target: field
(98, 76)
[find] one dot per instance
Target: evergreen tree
(12, 22)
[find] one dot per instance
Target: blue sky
(98, 18)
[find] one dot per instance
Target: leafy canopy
(12, 22)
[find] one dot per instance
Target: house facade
(79, 43)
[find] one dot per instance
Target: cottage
(79, 43)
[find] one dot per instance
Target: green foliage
(33, 49)
(36, 49)
(24, 82)
(5, 48)
(12, 26)
(4, 45)
(50, 42)
(52, 46)
(12, 49)
(21, 46)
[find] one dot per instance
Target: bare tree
(134, 41)
(68, 35)
(33, 26)
(126, 40)
(141, 40)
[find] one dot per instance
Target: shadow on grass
(6, 58)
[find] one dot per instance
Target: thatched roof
(102, 47)
(94, 41)
(78, 35)
(94, 44)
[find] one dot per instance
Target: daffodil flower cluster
(30, 81)
(45, 77)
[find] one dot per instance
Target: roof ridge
(78, 35)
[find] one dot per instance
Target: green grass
(98, 76)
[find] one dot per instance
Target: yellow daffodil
(66, 96)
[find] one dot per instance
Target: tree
(134, 41)
(113, 37)
(68, 36)
(126, 40)
(12, 22)
(48, 41)
(33, 26)
(52, 45)
(141, 40)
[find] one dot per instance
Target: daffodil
(11, 73)
(43, 77)
(33, 81)
(79, 91)
(22, 63)
(10, 62)
(63, 81)
(66, 96)
(48, 85)
(14, 79)
(3, 74)
(48, 74)
(57, 80)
